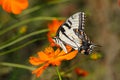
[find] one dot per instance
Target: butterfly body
(71, 33)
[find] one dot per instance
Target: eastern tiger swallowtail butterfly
(72, 33)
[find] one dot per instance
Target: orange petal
(57, 51)
(69, 48)
(6, 5)
(67, 56)
(62, 53)
(24, 3)
(56, 63)
(17, 7)
(70, 55)
(1, 1)
(53, 27)
(40, 70)
(35, 61)
(49, 50)
(43, 56)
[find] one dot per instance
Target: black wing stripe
(69, 22)
(68, 38)
(65, 24)
(59, 29)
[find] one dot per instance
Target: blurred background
(18, 41)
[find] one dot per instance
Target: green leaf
(19, 47)
(23, 37)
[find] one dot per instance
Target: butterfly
(71, 33)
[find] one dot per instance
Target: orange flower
(49, 56)
(81, 72)
(53, 27)
(14, 6)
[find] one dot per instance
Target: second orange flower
(53, 27)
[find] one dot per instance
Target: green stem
(23, 37)
(13, 37)
(27, 21)
(17, 48)
(30, 10)
(16, 65)
(58, 73)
